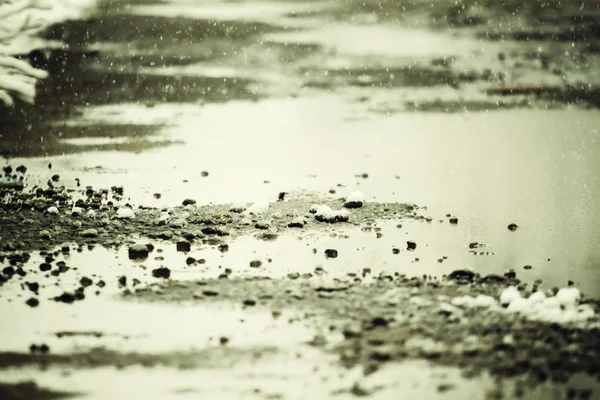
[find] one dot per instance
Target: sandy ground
(454, 120)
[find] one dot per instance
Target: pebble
(90, 233)
(410, 245)
(85, 281)
(210, 293)
(188, 202)
(138, 251)
(249, 302)
(184, 246)
(297, 223)
(262, 225)
(331, 253)
(162, 272)
(255, 264)
(513, 227)
(32, 302)
(190, 260)
(45, 267)
(65, 298)
(454, 221)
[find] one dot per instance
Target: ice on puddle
(52, 210)
(258, 207)
(125, 212)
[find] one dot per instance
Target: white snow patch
(258, 207)
(356, 197)
(326, 214)
(508, 295)
(91, 213)
(125, 213)
(52, 210)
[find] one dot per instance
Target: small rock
(513, 227)
(223, 248)
(255, 264)
(331, 253)
(462, 275)
(190, 260)
(162, 272)
(188, 202)
(138, 251)
(223, 340)
(90, 233)
(297, 223)
(184, 246)
(262, 225)
(527, 267)
(33, 286)
(55, 178)
(122, 281)
(204, 174)
(352, 330)
(249, 302)
(395, 251)
(510, 274)
(32, 302)
(454, 221)
(293, 275)
(210, 293)
(85, 281)
(45, 267)
(410, 245)
(65, 298)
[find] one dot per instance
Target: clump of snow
(52, 210)
(76, 210)
(258, 208)
(562, 308)
(481, 301)
(324, 213)
(125, 213)
(91, 213)
(355, 200)
(508, 295)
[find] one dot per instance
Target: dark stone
(454, 221)
(45, 267)
(162, 272)
(513, 227)
(184, 246)
(85, 281)
(117, 190)
(32, 302)
(204, 174)
(33, 286)
(527, 267)
(55, 272)
(138, 251)
(202, 261)
(249, 302)
(381, 354)
(122, 281)
(395, 251)
(55, 178)
(223, 340)
(190, 260)
(510, 274)
(210, 293)
(65, 298)
(410, 245)
(187, 202)
(331, 253)
(379, 322)
(44, 349)
(21, 169)
(353, 204)
(150, 247)
(101, 284)
(214, 231)
(492, 278)
(8, 271)
(462, 275)
(223, 248)
(281, 196)
(255, 264)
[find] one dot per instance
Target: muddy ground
(150, 278)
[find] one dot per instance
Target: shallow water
(304, 104)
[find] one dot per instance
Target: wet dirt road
(235, 102)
